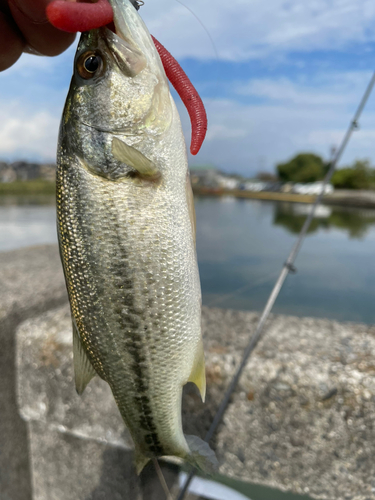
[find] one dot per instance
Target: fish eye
(90, 64)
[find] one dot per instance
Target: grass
(259, 195)
(37, 186)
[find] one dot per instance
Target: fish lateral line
(82, 16)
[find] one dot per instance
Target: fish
(126, 230)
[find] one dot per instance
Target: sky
(277, 78)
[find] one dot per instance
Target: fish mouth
(126, 21)
(128, 37)
(127, 56)
(124, 37)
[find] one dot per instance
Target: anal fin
(83, 369)
(140, 460)
(198, 373)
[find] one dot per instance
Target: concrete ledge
(31, 282)
(66, 466)
(302, 419)
(303, 416)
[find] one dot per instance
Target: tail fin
(201, 456)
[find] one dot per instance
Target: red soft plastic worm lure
(75, 16)
(188, 94)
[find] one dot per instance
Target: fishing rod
(288, 267)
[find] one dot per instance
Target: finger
(11, 42)
(79, 16)
(35, 10)
(39, 34)
(4, 7)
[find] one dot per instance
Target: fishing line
(203, 26)
(216, 53)
(238, 291)
(162, 480)
(287, 268)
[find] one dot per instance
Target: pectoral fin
(83, 369)
(198, 373)
(135, 159)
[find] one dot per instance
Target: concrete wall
(302, 418)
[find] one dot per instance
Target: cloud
(260, 117)
(264, 123)
(253, 29)
(27, 133)
(31, 104)
(290, 117)
(222, 131)
(328, 89)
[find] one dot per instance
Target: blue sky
(285, 76)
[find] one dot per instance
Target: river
(242, 245)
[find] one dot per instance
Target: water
(26, 221)
(242, 245)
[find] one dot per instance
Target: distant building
(313, 188)
(227, 182)
(47, 171)
(254, 186)
(7, 174)
(25, 171)
(204, 176)
(211, 178)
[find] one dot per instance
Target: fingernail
(30, 50)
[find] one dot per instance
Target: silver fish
(126, 226)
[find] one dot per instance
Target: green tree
(359, 176)
(305, 167)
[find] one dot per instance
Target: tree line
(308, 167)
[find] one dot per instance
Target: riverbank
(301, 420)
(340, 197)
(33, 187)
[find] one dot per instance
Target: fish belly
(132, 277)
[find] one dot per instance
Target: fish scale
(126, 234)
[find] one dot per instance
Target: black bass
(126, 228)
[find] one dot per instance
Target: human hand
(24, 28)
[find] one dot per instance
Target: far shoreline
(341, 197)
(32, 187)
